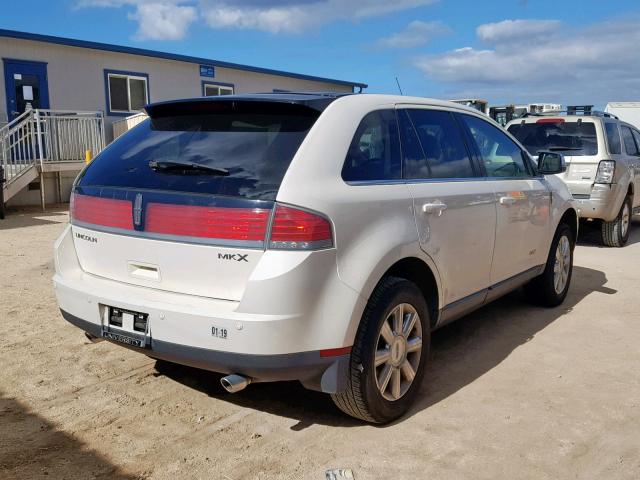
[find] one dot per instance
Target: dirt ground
(512, 392)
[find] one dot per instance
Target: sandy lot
(512, 391)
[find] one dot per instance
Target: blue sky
(564, 51)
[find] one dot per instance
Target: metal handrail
(42, 136)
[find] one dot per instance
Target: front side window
(629, 143)
(636, 135)
(127, 93)
(374, 153)
(445, 154)
(613, 138)
(214, 90)
(500, 155)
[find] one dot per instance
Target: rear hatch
(575, 138)
(183, 202)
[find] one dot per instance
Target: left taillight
(295, 229)
(106, 212)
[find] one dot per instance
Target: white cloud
(416, 34)
(592, 64)
(157, 19)
(170, 19)
(516, 30)
(296, 16)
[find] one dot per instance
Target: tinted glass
(442, 145)
(256, 149)
(118, 93)
(414, 162)
(374, 153)
(570, 138)
(629, 143)
(501, 156)
(138, 91)
(636, 135)
(613, 138)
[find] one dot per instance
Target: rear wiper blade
(162, 165)
(559, 149)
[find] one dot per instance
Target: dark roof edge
(70, 42)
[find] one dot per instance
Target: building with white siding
(60, 97)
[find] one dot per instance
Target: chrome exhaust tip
(93, 338)
(234, 383)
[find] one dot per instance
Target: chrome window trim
(214, 242)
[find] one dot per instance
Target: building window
(216, 89)
(127, 92)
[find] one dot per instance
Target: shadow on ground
(461, 352)
(31, 447)
(33, 216)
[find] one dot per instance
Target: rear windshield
(252, 150)
(571, 138)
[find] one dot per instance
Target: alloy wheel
(562, 265)
(398, 351)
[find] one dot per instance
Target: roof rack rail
(572, 112)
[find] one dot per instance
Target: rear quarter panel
(374, 225)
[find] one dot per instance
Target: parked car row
(320, 238)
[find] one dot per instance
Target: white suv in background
(603, 165)
(309, 237)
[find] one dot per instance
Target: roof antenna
(399, 87)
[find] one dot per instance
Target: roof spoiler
(229, 104)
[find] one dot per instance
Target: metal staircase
(40, 141)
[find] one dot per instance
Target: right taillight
(606, 170)
(235, 224)
(295, 229)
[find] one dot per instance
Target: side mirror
(551, 163)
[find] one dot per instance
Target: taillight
(106, 212)
(606, 169)
(294, 229)
(286, 228)
(246, 224)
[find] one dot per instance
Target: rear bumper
(326, 374)
(279, 339)
(603, 203)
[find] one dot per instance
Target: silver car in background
(602, 155)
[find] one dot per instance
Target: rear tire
(394, 333)
(616, 232)
(550, 288)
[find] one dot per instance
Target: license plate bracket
(126, 326)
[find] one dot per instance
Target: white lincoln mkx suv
(310, 237)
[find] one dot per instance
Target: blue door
(26, 84)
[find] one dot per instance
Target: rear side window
(613, 138)
(629, 143)
(252, 149)
(570, 138)
(500, 155)
(444, 152)
(374, 153)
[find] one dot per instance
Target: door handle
(507, 200)
(436, 208)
